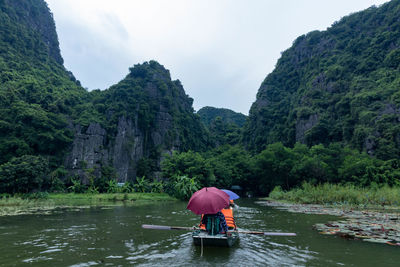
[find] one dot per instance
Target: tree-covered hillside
(225, 125)
(148, 94)
(339, 85)
(209, 114)
(51, 128)
(37, 94)
(337, 92)
(129, 126)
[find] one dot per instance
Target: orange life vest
(230, 221)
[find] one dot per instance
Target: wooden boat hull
(219, 240)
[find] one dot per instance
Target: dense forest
(328, 113)
(37, 95)
(224, 125)
(209, 114)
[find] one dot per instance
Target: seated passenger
(214, 223)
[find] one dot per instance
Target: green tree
(23, 174)
(191, 164)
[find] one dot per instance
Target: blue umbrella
(232, 195)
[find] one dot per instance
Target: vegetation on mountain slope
(37, 94)
(328, 113)
(42, 105)
(336, 86)
(225, 126)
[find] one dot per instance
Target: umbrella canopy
(232, 195)
(208, 200)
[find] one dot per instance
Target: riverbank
(367, 213)
(377, 225)
(335, 194)
(46, 203)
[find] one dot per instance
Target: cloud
(220, 50)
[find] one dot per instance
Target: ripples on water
(113, 237)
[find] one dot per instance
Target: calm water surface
(113, 237)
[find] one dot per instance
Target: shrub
(23, 174)
(142, 185)
(77, 186)
(112, 186)
(184, 187)
(126, 188)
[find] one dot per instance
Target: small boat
(202, 238)
(212, 231)
(212, 237)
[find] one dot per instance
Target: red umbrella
(208, 200)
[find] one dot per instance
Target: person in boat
(228, 214)
(208, 219)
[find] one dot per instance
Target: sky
(221, 50)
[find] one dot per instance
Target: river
(112, 236)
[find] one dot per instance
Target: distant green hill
(339, 85)
(209, 114)
(223, 124)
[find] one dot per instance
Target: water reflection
(114, 237)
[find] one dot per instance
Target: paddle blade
(280, 234)
(156, 227)
(267, 233)
(166, 227)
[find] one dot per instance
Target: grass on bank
(45, 202)
(84, 198)
(335, 194)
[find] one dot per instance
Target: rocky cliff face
(303, 125)
(146, 115)
(91, 149)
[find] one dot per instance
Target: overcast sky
(221, 50)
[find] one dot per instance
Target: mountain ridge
(47, 115)
(337, 85)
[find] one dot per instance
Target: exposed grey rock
(91, 149)
(128, 149)
(320, 82)
(370, 145)
(87, 150)
(391, 109)
(304, 125)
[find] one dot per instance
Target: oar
(166, 227)
(267, 233)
